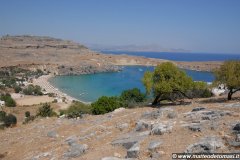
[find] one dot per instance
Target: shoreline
(43, 82)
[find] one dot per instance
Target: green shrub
(9, 102)
(32, 90)
(10, 120)
(134, 95)
(2, 115)
(105, 104)
(27, 114)
(76, 110)
(17, 88)
(46, 111)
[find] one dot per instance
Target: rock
(155, 155)
(205, 145)
(152, 115)
(195, 128)
(52, 134)
(172, 115)
(76, 150)
(198, 109)
(71, 140)
(153, 145)
(133, 152)
(159, 129)
(237, 127)
(130, 139)
(123, 126)
(142, 126)
(237, 137)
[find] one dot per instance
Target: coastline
(43, 82)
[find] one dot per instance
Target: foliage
(105, 104)
(132, 95)
(147, 81)
(165, 80)
(200, 90)
(76, 110)
(2, 115)
(17, 88)
(10, 120)
(229, 74)
(32, 90)
(46, 111)
(27, 114)
(9, 102)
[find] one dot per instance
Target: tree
(46, 111)
(105, 104)
(167, 81)
(229, 74)
(132, 95)
(9, 102)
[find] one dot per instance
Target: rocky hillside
(67, 57)
(61, 56)
(140, 133)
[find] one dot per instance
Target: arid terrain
(143, 132)
(67, 57)
(206, 125)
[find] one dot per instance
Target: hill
(66, 57)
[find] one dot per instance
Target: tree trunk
(156, 100)
(230, 94)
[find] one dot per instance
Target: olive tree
(229, 74)
(167, 81)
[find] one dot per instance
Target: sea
(89, 88)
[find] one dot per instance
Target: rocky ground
(206, 125)
(66, 57)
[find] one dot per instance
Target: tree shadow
(217, 100)
(170, 104)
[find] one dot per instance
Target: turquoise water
(89, 88)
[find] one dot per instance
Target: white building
(2, 103)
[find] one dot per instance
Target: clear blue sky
(196, 25)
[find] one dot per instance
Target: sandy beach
(43, 82)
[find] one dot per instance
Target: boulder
(205, 145)
(76, 150)
(71, 140)
(153, 145)
(159, 129)
(130, 139)
(195, 127)
(237, 127)
(152, 115)
(133, 152)
(52, 134)
(142, 126)
(198, 109)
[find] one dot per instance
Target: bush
(105, 104)
(46, 111)
(17, 88)
(27, 114)
(10, 120)
(76, 110)
(32, 90)
(134, 95)
(2, 115)
(9, 102)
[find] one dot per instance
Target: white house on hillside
(2, 103)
